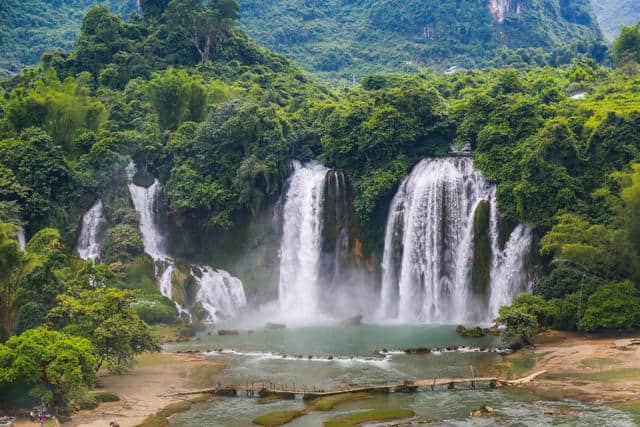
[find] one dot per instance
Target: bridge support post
(492, 384)
(451, 386)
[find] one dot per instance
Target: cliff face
(614, 14)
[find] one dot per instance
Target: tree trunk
(207, 48)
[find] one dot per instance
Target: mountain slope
(30, 28)
(614, 14)
(351, 36)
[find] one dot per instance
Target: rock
(228, 332)
(275, 326)
(352, 321)
(475, 332)
(330, 358)
(419, 350)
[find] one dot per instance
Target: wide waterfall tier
(301, 244)
(94, 224)
(219, 293)
(442, 262)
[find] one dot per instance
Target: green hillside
(30, 28)
(356, 37)
(614, 14)
(349, 38)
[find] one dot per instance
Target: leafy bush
(612, 306)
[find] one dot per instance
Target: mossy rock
(143, 178)
(278, 418)
(481, 270)
(384, 414)
(154, 308)
(175, 408)
(104, 396)
(476, 332)
(154, 421)
(86, 403)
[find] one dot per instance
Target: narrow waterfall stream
(301, 243)
(429, 247)
(219, 293)
(22, 239)
(91, 233)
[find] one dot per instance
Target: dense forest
(184, 93)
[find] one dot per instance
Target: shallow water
(259, 357)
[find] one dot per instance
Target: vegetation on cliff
(218, 124)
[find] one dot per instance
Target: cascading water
(429, 243)
(301, 243)
(218, 292)
(22, 240)
(93, 226)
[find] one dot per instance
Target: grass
(386, 414)
(603, 376)
(631, 407)
(203, 376)
(329, 402)
(175, 408)
(523, 362)
(278, 418)
(165, 333)
(599, 362)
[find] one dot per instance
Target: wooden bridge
(266, 389)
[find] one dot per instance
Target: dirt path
(140, 389)
(603, 369)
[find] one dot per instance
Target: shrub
(612, 306)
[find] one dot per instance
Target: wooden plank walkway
(310, 393)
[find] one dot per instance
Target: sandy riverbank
(141, 390)
(599, 369)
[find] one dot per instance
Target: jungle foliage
(220, 133)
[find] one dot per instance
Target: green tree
(626, 46)
(612, 306)
(176, 96)
(11, 262)
(57, 367)
(204, 24)
(526, 317)
(519, 324)
(153, 8)
(104, 316)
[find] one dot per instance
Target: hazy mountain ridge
(348, 36)
(28, 28)
(614, 14)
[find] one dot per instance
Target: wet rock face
(499, 9)
(481, 270)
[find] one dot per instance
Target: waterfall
(301, 243)
(218, 292)
(93, 226)
(429, 244)
(22, 240)
(509, 273)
